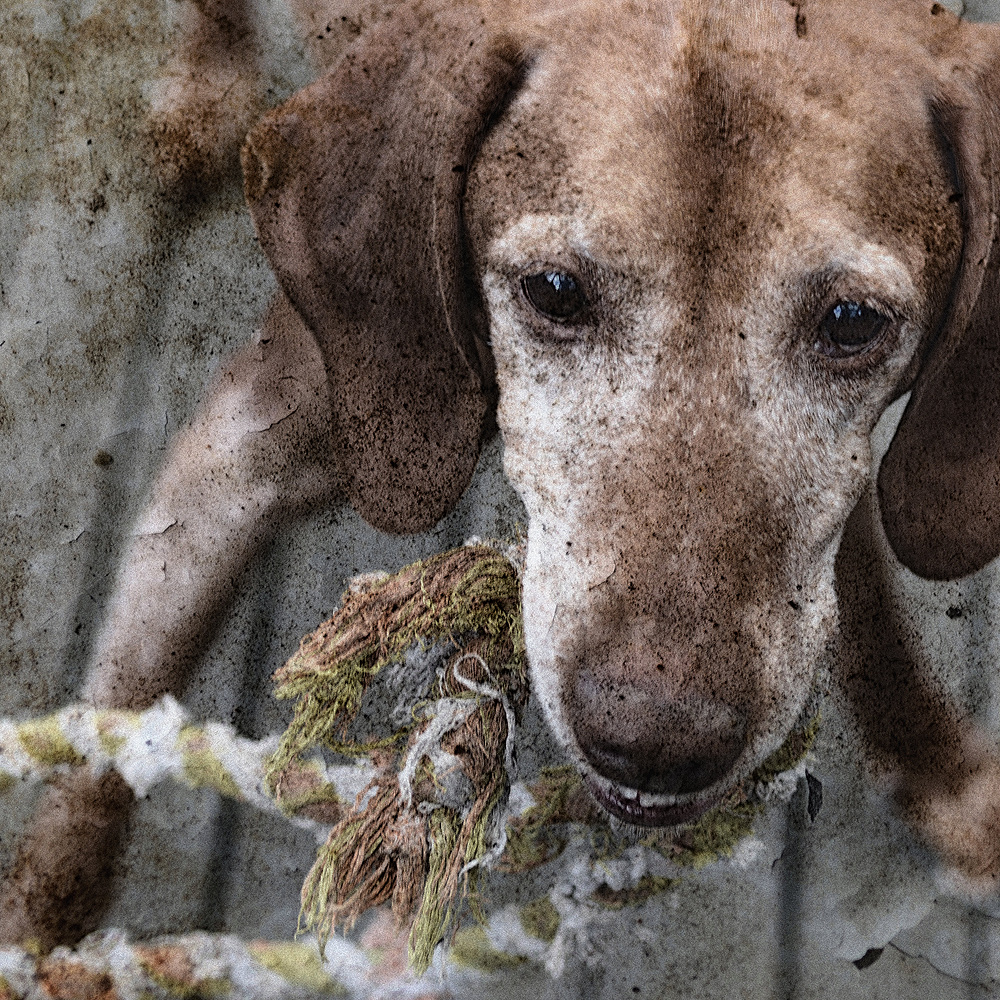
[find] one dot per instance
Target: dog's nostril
(653, 744)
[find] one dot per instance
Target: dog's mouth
(647, 809)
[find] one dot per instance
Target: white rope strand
(109, 964)
(153, 746)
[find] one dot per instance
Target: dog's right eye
(554, 294)
(849, 329)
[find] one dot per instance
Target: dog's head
(687, 258)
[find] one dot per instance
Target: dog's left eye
(850, 328)
(554, 294)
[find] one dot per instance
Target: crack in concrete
(947, 975)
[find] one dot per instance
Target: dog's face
(693, 255)
(709, 265)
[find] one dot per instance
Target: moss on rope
(202, 767)
(297, 964)
(645, 889)
(472, 950)
(44, 741)
(540, 919)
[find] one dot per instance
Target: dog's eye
(554, 294)
(850, 328)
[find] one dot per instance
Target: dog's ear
(939, 484)
(355, 186)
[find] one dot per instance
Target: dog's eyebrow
(542, 239)
(838, 250)
(531, 235)
(874, 266)
(841, 251)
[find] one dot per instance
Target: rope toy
(162, 743)
(448, 630)
(445, 637)
(442, 638)
(108, 965)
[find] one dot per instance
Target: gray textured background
(115, 309)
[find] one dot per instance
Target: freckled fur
(687, 472)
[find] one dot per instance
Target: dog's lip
(633, 807)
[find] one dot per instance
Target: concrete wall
(115, 309)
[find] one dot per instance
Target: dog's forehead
(713, 133)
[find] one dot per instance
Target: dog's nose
(633, 735)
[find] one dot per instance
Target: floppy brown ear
(355, 186)
(939, 484)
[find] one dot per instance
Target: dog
(682, 259)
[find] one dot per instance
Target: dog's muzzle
(653, 758)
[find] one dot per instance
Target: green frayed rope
(198, 966)
(472, 591)
(420, 830)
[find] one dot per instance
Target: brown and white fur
(689, 443)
